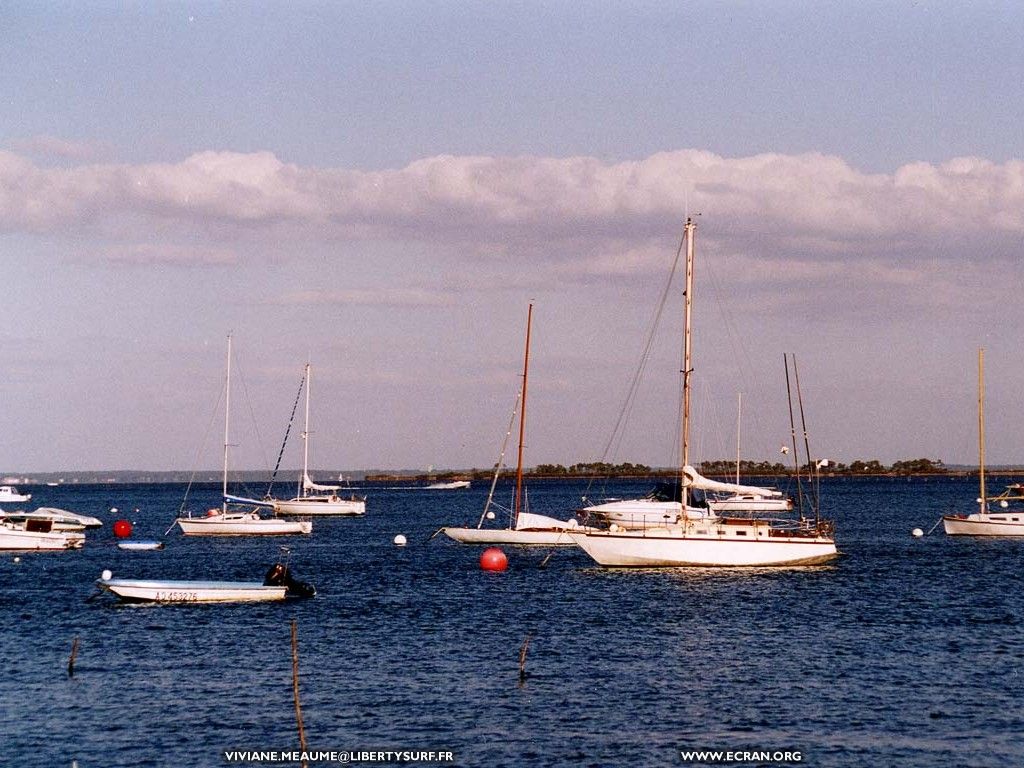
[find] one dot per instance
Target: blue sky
(384, 187)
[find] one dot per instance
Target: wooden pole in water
(522, 659)
(295, 689)
(74, 655)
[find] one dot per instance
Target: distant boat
(984, 522)
(308, 501)
(223, 522)
(37, 535)
(698, 537)
(454, 485)
(10, 493)
(525, 528)
(278, 585)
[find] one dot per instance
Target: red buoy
(493, 559)
(122, 529)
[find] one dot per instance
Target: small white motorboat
(10, 493)
(62, 519)
(139, 545)
(454, 485)
(278, 585)
(37, 535)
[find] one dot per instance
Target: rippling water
(904, 652)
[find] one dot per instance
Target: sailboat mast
(739, 417)
(982, 503)
(522, 419)
(227, 417)
(305, 436)
(687, 350)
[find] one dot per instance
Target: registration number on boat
(177, 597)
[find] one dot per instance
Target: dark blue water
(905, 652)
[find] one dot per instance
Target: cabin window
(1015, 519)
(703, 531)
(741, 533)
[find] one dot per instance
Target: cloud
(383, 297)
(563, 208)
(54, 147)
(165, 254)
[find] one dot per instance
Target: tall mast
(522, 418)
(688, 296)
(982, 504)
(305, 436)
(227, 415)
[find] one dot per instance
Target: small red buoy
(122, 529)
(493, 559)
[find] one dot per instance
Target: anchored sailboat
(985, 522)
(525, 528)
(314, 499)
(225, 522)
(699, 537)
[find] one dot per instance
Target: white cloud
(766, 204)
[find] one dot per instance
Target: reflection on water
(902, 652)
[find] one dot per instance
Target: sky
(383, 189)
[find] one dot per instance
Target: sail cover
(693, 479)
(309, 485)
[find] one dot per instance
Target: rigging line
(627, 405)
(199, 450)
(287, 431)
(812, 479)
(501, 457)
(792, 431)
(255, 425)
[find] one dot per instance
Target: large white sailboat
(985, 522)
(702, 538)
(230, 522)
(525, 528)
(312, 498)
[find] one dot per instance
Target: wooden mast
(982, 502)
(522, 419)
(687, 349)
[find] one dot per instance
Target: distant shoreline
(284, 480)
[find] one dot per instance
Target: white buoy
(399, 540)
(107, 575)
(917, 533)
(490, 515)
(113, 510)
(17, 559)
(1004, 504)
(614, 528)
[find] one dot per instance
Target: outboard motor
(279, 575)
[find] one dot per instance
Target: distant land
(720, 468)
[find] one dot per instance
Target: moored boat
(278, 585)
(702, 538)
(985, 522)
(37, 535)
(8, 493)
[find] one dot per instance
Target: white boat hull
(242, 525)
(525, 538)
(142, 591)
(452, 486)
(719, 546)
(17, 539)
(320, 505)
(978, 524)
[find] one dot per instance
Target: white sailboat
(314, 499)
(984, 522)
(225, 522)
(525, 528)
(755, 499)
(704, 538)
